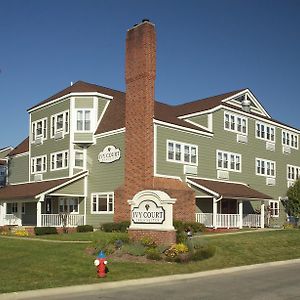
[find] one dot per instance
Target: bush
(203, 252)
(148, 242)
(184, 226)
(85, 228)
(111, 227)
(153, 253)
(176, 249)
(181, 236)
(44, 230)
(136, 249)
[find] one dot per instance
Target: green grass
(29, 264)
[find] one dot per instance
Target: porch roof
(33, 189)
(228, 190)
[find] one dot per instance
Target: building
(224, 158)
(3, 165)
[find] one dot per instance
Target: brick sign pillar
(152, 216)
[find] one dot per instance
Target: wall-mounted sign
(148, 212)
(109, 154)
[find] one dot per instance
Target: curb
(133, 282)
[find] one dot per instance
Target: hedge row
(53, 230)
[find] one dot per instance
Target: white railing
(253, 220)
(12, 220)
(56, 220)
(229, 220)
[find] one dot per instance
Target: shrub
(4, 230)
(136, 249)
(153, 253)
(111, 227)
(85, 228)
(203, 252)
(184, 226)
(148, 242)
(289, 226)
(44, 230)
(181, 236)
(176, 249)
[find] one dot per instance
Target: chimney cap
(145, 20)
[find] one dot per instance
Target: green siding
(201, 120)
(101, 105)
(84, 102)
(18, 169)
(3, 154)
(74, 188)
(83, 137)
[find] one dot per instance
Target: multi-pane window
(228, 161)
(265, 167)
(265, 132)
(69, 205)
(60, 123)
(39, 164)
(293, 172)
(39, 129)
(274, 208)
(102, 203)
(182, 153)
(12, 208)
(289, 139)
(234, 122)
(59, 160)
(79, 163)
(83, 120)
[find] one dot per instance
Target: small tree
(292, 204)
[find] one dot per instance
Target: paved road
(276, 282)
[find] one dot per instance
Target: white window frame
(234, 124)
(227, 157)
(294, 171)
(53, 160)
(179, 156)
(65, 126)
(263, 134)
(15, 208)
(290, 139)
(84, 110)
(274, 206)
(263, 165)
(34, 161)
(110, 199)
(34, 129)
(65, 202)
(83, 159)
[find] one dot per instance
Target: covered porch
(55, 203)
(227, 205)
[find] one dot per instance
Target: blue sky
(204, 48)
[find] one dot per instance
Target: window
(182, 153)
(79, 156)
(12, 208)
(265, 132)
(59, 160)
(293, 172)
(39, 129)
(60, 123)
(289, 139)
(235, 123)
(102, 203)
(38, 164)
(228, 161)
(274, 208)
(69, 205)
(83, 120)
(265, 167)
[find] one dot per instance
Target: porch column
(39, 213)
(215, 211)
(262, 214)
(19, 213)
(240, 202)
(2, 213)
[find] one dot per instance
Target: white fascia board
(6, 149)
(181, 128)
(197, 125)
(20, 154)
(109, 133)
(85, 173)
(201, 187)
(70, 95)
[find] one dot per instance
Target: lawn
(33, 264)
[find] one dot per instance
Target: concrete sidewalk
(134, 282)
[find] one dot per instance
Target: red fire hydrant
(101, 262)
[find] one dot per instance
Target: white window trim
(66, 115)
(33, 164)
(83, 159)
(290, 139)
(276, 202)
(36, 136)
(265, 161)
(63, 160)
(68, 204)
(236, 116)
(181, 161)
(295, 171)
(92, 117)
(229, 162)
(265, 125)
(107, 199)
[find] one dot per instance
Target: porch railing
(228, 220)
(12, 219)
(56, 220)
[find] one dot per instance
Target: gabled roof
(228, 190)
(21, 148)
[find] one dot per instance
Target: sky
(204, 48)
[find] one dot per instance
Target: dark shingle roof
(21, 148)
